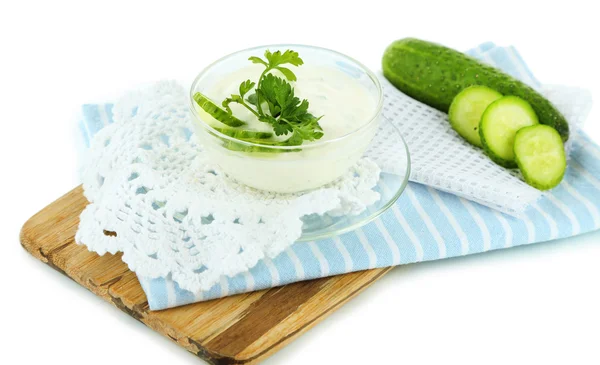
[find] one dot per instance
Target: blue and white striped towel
(423, 225)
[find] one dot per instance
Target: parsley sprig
(275, 101)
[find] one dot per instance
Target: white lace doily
(442, 159)
(155, 197)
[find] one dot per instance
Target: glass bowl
(390, 188)
(287, 169)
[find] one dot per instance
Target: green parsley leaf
(295, 140)
(282, 128)
(277, 58)
(252, 99)
(287, 73)
(245, 87)
(277, 91)
(227, 101)
(286, 113)
(291, 113)
(257, 60)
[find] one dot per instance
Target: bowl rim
(368, 215)
(372, 119)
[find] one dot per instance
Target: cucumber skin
(434, 74)
(542, 187)
(243, 133)
(216, 112)
(528, 179)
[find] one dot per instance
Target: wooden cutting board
(241, 329)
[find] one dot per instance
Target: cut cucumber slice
(540, 154)
(216, 112)
(238, 147)
(499, 125)
(244, 134)
(466, 111)
(266, 146)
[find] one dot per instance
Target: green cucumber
(466, 111)
(434, 75)
(216, 112)
(540, 155)
(244, 134)
(238, 147)
(499, 125)
(264, 146)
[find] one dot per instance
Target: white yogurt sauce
(342, 101)
(345, 104)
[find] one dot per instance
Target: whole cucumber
(434, 75)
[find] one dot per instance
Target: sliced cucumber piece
(540, 154)
(244, 134)
(238, 147)
(234, 146)
(499, 125)
(266, 146)
(466, 111)
(216, 112)
(409, 64)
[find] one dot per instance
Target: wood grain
(241, 329)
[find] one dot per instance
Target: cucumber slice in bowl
(466, 111)
(540, 154)
(499, 125)
(244, 134)
(216, 112)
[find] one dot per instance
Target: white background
(536, 304)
